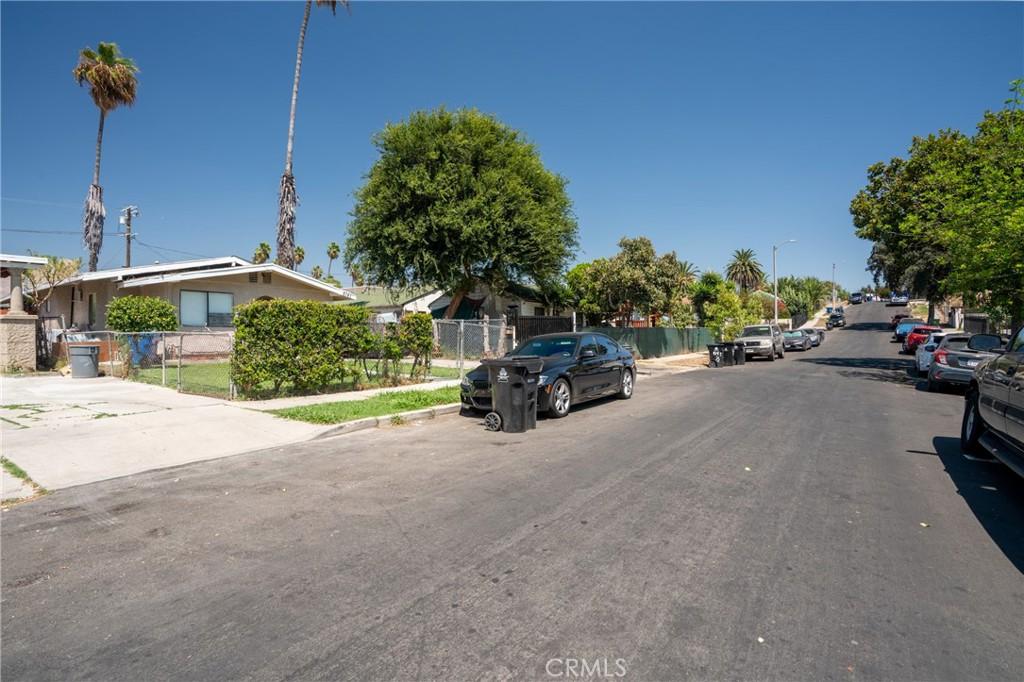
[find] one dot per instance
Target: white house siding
(238, 286)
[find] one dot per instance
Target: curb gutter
(385, 420)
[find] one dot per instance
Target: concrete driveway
(66, 432)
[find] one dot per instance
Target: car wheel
(972, 427)
(626, 387)
(771, 356)
(561, 399)
(782, 354)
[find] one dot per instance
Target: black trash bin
(719, 354)
(739, 355)
(513, 393)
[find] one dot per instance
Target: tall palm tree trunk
(330, 262)
(94, 213)
(288, 199)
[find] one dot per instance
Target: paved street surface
(810, 519)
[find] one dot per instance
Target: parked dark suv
(994, 408)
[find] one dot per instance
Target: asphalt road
(763, 522)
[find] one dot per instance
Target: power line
(169, 250)
(39, 202)
(75, 232)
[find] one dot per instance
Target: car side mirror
(588, 354)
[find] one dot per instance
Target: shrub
(303, 343)
(416, 337)
(141, 314)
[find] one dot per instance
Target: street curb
(385, 420)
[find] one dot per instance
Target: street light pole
(775, 279)
(833, 286)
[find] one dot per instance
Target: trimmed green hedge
(141, 314)
(305, 343)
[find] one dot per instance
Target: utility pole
(127, 213)
(775, 280)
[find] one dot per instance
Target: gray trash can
(85, 361)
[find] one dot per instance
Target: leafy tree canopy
(635, 279)
(950, 217)
(455, 199)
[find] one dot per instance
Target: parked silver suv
(764, 340)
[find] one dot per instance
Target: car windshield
(757, 331)
(955, 342)
(563, 346)
(793, 334)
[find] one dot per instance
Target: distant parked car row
(769, 341)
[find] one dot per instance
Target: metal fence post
(181, 348)
(462, 338)
(110, 352)
(163, 359)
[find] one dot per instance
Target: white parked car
(926, 351)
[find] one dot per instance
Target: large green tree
(112, 83)
(457, 199)
(636, 279)
(950, 217)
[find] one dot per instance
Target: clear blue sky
(707, 127)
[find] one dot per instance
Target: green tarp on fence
(656, 342)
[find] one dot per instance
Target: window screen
(206, 309)
(219, 307)
(193, 308)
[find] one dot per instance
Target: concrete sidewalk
(66, 432)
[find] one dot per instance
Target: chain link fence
(463, 343)
(191, 362)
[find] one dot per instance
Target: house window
(206, 309)
(266, 277)
(253, 277)
(538, 311)
(92, 310)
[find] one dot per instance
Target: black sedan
(577, 367)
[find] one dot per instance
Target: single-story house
(389, 305)
(521, 299)
(205, 291)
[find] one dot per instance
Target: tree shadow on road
(868, 327)
(890, 370)
(994, 494)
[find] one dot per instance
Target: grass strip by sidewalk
(377, 406)
(16, 471)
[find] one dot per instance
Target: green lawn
(377, 406)
(214, 378)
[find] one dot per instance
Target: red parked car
(917, 336)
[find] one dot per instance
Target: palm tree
(333, 251)
(112, 83)
(288, 199)
(261, 254)
(299, 255)
(687, 273)
(317, 272)
(744, 270)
